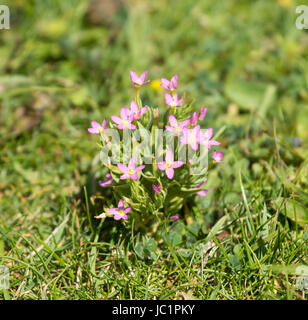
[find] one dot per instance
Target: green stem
(138, 99)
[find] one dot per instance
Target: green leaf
(294, 209)
(251, 95)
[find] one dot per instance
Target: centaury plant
(155, 160)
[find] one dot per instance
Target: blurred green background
(65, 63)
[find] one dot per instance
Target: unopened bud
(202, 113)
(194, 119)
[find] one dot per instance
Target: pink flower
(191, 137)
(204, 192)
(135, 112)
(125, 121)
(174, 218)
(106, 183)
(97, 128)
(205, 139)
(120, 212)
(130, 171)
(170, 85)
(138, 81)
(172, 101)
(217, 157)
(175, 126)
(157, 189)
(202, 113)
(194, 119)
(169, 165)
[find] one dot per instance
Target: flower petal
(116, 119)
(177, 164)
(174, 82)
(124, 113)
(139, 168)
(144, 74)
(93, 131)
(95, 125)
(132, 164)
(122, 167)
(125, 176)
(161, 165)
(133, 106)
(121, 204)
(168, 99)
(169, 155)
(170, 173)
(104, 123)
(133, 76)
(173, 121)
(128, 209)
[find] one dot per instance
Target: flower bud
(202, 113)
(194, 119)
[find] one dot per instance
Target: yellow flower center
(191, 139)
(131, 171)
(168, 164)
(121, 213)
(125, 122)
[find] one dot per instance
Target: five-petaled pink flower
(157, 188)
(135, 112)
(205, 139)
(138, 81)
(125, 121)
(191, 137)
(173, 101)
(130, 171)
(106, 183)
(169, 165)
(120, 212)
(175, 126)
(170, 85)
(217, 157)
(97, 128)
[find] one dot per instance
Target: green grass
(62, 67)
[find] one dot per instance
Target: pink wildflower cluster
(188, 131)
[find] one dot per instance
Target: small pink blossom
(157, 188)
(138, 81)
(130, 171)
(174, 218)
(170, 85)
(205, 139)
(125, 120)
(191, 137)
(217, 157)
(97, 128)
(108, 181)
(202, 113)
(175, 126)
(169, 165)
(173, 101)
(120, 212)
(135, 112)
